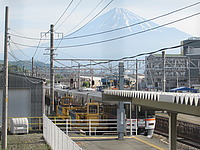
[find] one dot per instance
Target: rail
(186, 130)
(56, 138)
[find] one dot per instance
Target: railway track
(187, 133)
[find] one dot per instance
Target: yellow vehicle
(68, 109)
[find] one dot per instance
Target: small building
(26, 95)
(191, 49)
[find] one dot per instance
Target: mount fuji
(145, 41)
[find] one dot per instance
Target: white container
(19, 125)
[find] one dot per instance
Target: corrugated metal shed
(26, 95)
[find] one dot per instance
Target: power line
(18, 48)
(92, 18)
(64, 12)
(86, 16)
(121, 37)
(28, 78)
(138, 55)
(117, 38)
(69, 14)
(31, 38)
(134, 23)
(89, 20)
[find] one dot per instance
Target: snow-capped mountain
(117, 18)
(131, 45)
(142, 39)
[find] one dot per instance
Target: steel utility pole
(79, 76)
(136, 75)
(51, 67)
(5, 86)
(121, 110)
(32, 66)
(164, 79)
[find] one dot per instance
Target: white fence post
(136, 126)
(89, 127)
(131, 128)
(66, 126)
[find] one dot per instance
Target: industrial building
(180, 69)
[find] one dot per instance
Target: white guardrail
(56, 138)
(87, 126)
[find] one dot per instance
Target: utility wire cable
(132, 24)
(117, 38)
(39, 43)
(12, 54)
(28, 78)
(18, 48)
(90, 19)
(86, 16)
(81, 21)
(125, 36)
(69, 14)
(63, 12)
(31, 38)
(138, 55)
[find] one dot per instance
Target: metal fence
(87, 126)
(56, 138)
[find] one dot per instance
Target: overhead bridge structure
(173, 103)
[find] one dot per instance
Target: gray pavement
(112, 143)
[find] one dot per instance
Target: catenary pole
(164, 78)
(32, 66)
(5, 86)
(51, 67)
(121, 110)
(136, 75)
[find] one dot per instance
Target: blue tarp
(183, 89)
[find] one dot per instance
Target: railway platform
(139, 142)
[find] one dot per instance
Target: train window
(93, 109)
(150, 114)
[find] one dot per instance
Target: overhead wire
(69, 14)
(63, 12)
(154, 18)
(28, 38)
(66, 37)
(125, 36)
(138, 55)
(40, 42)
(117, 38)
(18, 48)
(92, 18)
(12, 54)
(86, 16)
(89, 20)
(28, 78)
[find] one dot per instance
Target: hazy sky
(31, 17)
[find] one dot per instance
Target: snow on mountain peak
(117, 18)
